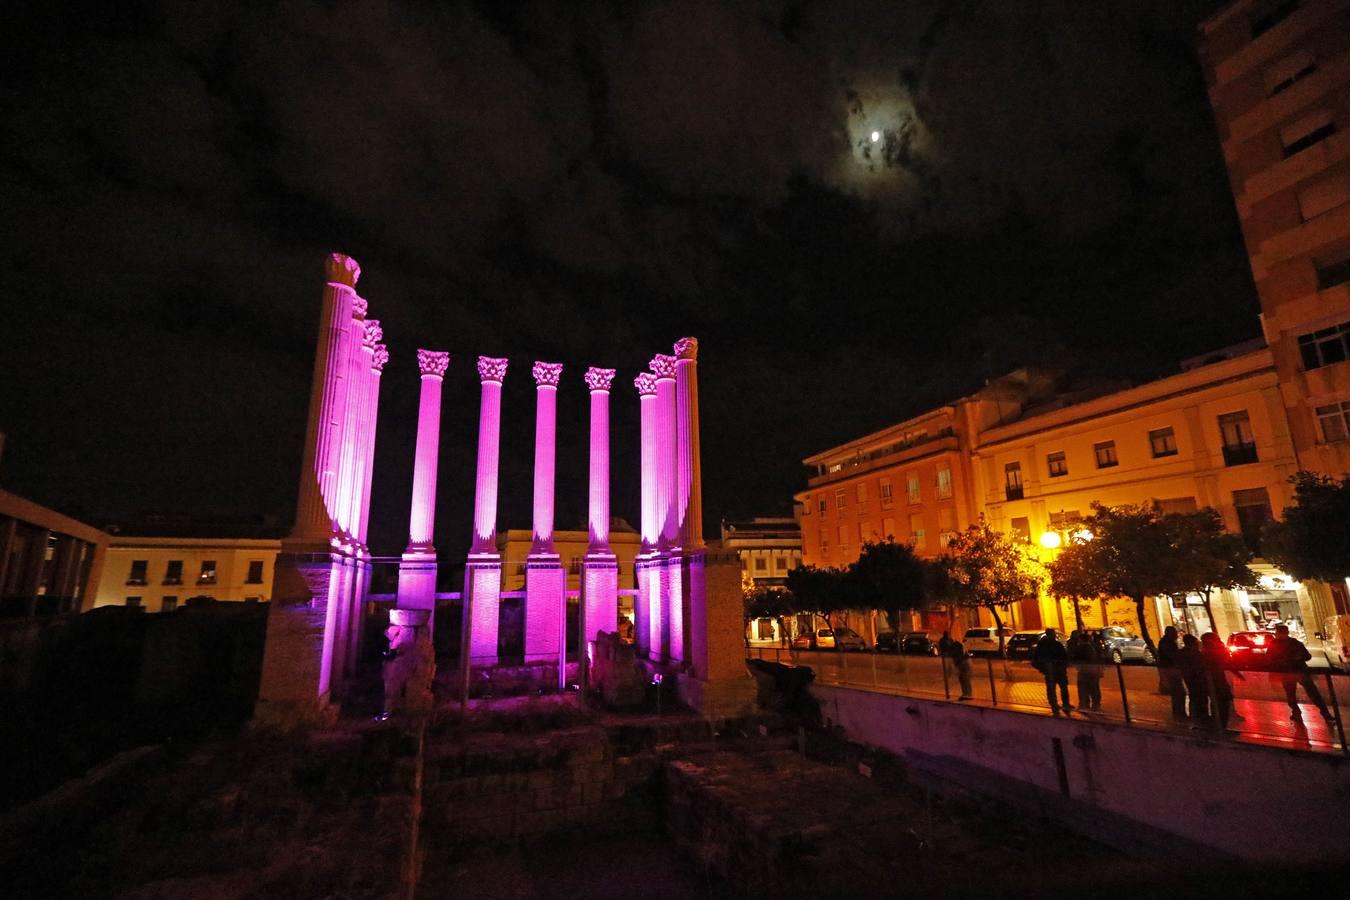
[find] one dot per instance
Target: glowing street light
(876, 136)
(1051, 540)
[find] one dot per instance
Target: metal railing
(1247, 706)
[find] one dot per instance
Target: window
(839, 497)
(1266, 15)
(823, 503)
(1253, 512)
(885, 492)
(1311, 129)
(1065, 519)
(1332, 273)
(208, 575)
(1325, 347)
(1012, 481)
(1325, 195)
(916, 531)
(255, 572)
(1105, 451)
(1334, 421)
(780, 564)
(174, 573)
(168, 604)
(945, 538)
(1057, 465)
(843, 535)
(1177, 505)
(138, 571)
(1163, 442)
(761, 564)
(1239, 446)
(1020, 529)
(861, 490)
(912, 488)
(944, 484)
(888, 529)
(824, 537)
(134, 602)
(1289, 71)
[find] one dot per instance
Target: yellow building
(1214, 435)
(159, 574)
(48, 561)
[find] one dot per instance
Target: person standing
(1052, 661)
(945, 644)
(956, 651)
(1169, 673)
(1217, 662)
(1194, 678)
(1289, 659)
(1087, 663)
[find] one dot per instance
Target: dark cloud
(584, 182)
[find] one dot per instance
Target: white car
(1336, 641)
(985, 639)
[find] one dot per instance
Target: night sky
(583, 183)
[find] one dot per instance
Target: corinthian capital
(645, 384)
(433, 362)
(374, 334)
(599, 379)
(491, 368)
(546, 374)
(342, 269)
(686, 348)
(381, 357)
(663, 366)
(359, 307)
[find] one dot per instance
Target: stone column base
(600, 594)
(482, 604)
(288, 692)
(545, 607)
(417, 580)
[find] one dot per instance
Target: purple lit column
(376, 356)
(647, 611)
(600, 569)
(417, 569)
(483, 568)
(690, 477)
(667, 511)
(545, 580)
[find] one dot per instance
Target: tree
(887, 577)
(1205, 557)
(1129, 556)
(989, 570)
(1075, 574)
(821, 591)
(1313, 540)
(771, 603)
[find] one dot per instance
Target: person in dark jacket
(956, 651)
(1087, 662)
(1051, 660)
(1217, 663)
(1169, 673)
(1194, 678)
(1288, 658)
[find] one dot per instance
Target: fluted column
(647, 611)
(483, 570)
(417, 569)
(545, 580)
(313, 523)
(600, 570)
(377, 356)
(690, 474)
(667, 513)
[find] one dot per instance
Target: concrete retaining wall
(1142, 790)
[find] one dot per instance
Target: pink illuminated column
(313, 522)
(417, 569)
(600, 569)
(646, 610)
(377, 356)
(667, 512)
(545, 580)
(690, 478)
(483, 568)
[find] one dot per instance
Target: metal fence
(1247, 706)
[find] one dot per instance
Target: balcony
(1012, 492)
(1239, 454)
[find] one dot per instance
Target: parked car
(920, 643)
(1123, 646)
(985, 640)
(830, 639)
(886, 642)
(1336, 641)
(1021, 644)
(1248, 648)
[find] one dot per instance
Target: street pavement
(1258, 697)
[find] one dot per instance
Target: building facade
(160, 574)
(48, 561)
(768, 549)
(1278, 74)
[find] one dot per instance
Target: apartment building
(1278, 74)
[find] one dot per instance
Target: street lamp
(1051, 540)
